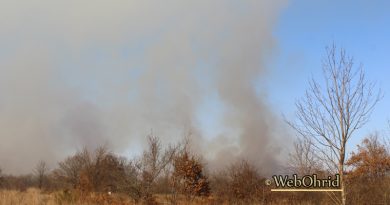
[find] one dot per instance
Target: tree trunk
(343, 194)
(342, 181)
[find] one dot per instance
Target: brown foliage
(188, 176)
(21, 183)
(240, 183)
(245, 181)
(368, 179)
(98, 171)
(69, 170)
(371, 161)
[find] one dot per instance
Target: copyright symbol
(268, 182)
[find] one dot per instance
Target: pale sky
(83, 73)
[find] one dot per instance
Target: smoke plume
(91, 72)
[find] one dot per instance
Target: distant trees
(101, 170)
(302, 159)
(369, 173)
(40, 173)
(176, 175)
(21, 182)
(95, 171)
(329, 116)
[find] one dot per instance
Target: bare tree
(150, 166)
(40, 172)
(303, 159)
(329, 116)
(69, 170)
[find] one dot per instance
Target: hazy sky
(83, 73)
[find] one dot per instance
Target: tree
(188, 175)
(104, 171)
(40, 172)
(97, 170)
(69, 170)
(303, 160)
(149, 167)
(330, 116)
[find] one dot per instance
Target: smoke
(91, 72)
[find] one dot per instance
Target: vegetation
(176, 176)
(327, 120)
(329, 116)
(369, 175)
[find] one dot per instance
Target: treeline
(173, 172)
(177, 174)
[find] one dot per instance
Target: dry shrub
(239, 184)
(188, 176)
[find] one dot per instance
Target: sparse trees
(368, 175)
(101, 170)
(329, 116)
(40, 173)
(21, 182)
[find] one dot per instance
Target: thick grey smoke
(84, 73)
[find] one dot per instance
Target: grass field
(36, 197)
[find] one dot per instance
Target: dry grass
(36, 197)
(30, 197)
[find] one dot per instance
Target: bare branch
(329, 116)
